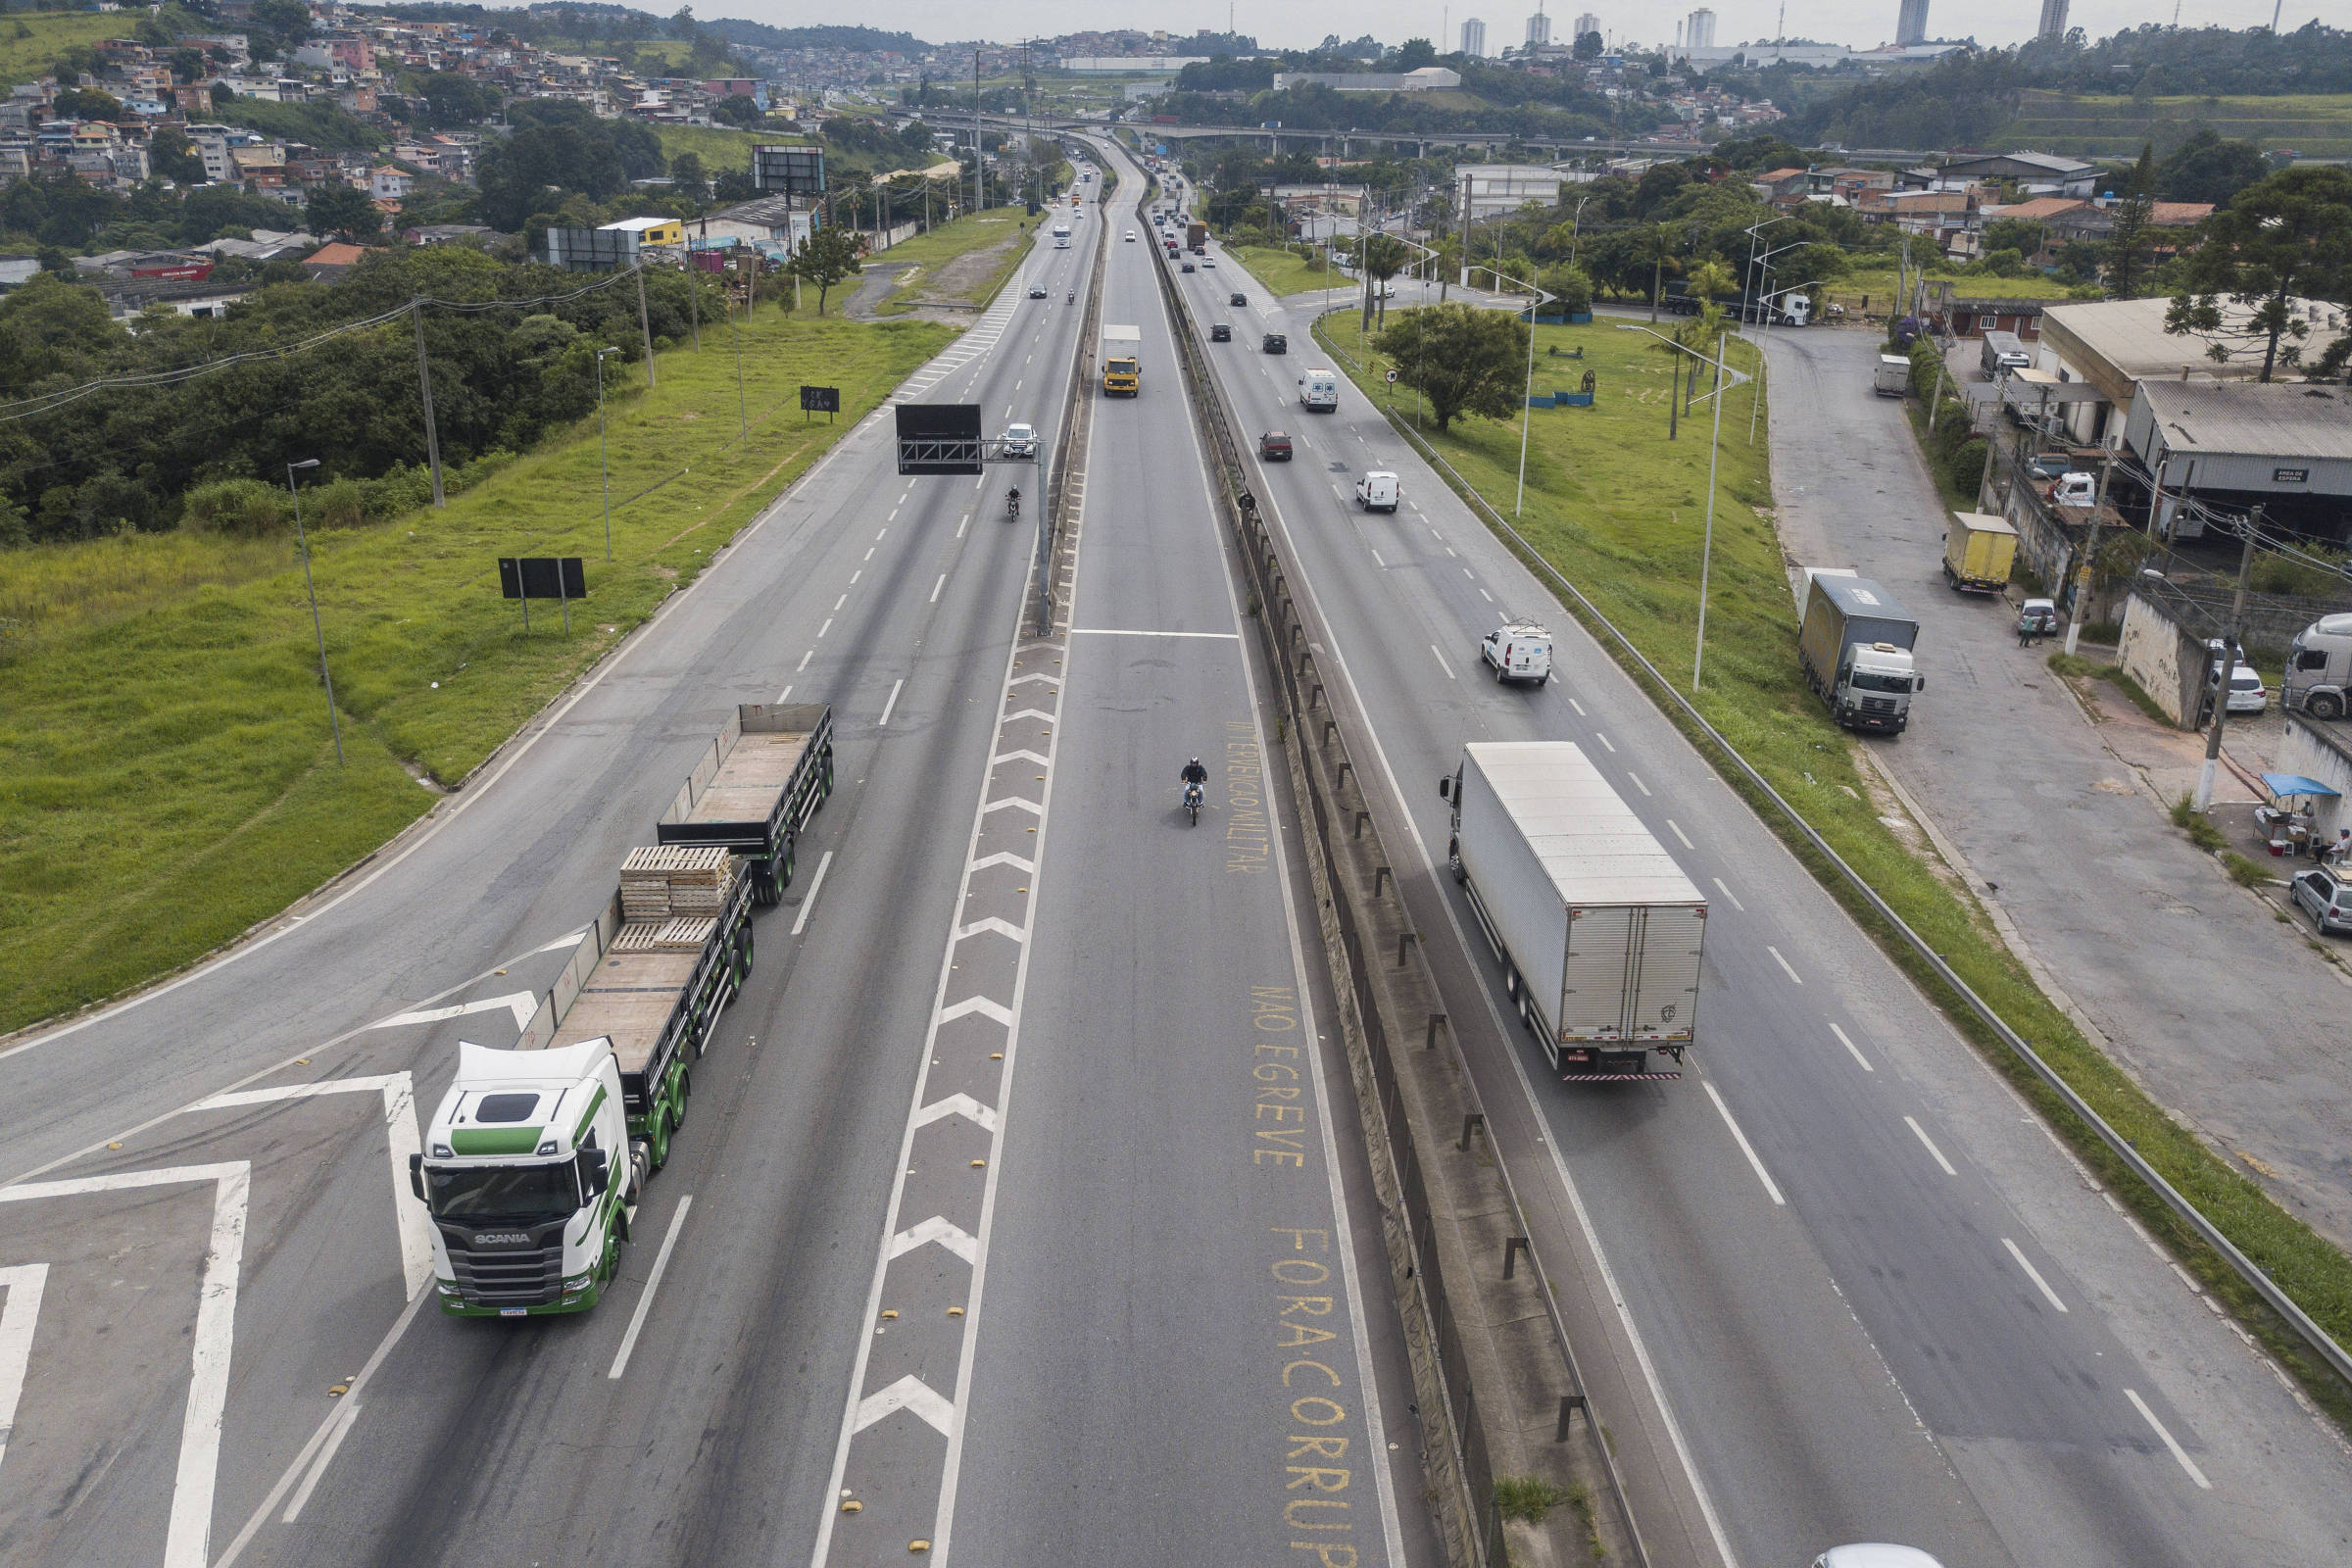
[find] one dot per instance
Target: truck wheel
(784, 876)
(743, 956)
(1453, 864)
(2324, 704)
(657, 1143)
(827, 789)
(767, 891)
(677, 1115)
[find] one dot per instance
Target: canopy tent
(2283, 785)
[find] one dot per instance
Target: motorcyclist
(1194, 773)
(1013, 502)
(1073, 296)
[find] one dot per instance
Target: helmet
(1196, 758)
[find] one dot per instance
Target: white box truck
(1599, 930)
(1319, 391)
(1893, 376)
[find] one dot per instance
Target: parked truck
(755, 786)
(1892, 377)
(1854, 644)
(1598, 929)
(1979, 549)
(534, 1164)
(1122, 362)
(2002, 352)
(2319, 668)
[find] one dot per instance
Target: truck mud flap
(1618, 1077)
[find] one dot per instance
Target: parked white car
(1518, 650)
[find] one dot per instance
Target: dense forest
(1965, 98)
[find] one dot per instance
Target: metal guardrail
(2320, 1342)
(1076, 406)
(1263, 559)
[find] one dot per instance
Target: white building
(2053, 19)
(1911, 23)
(1474, 38)
(1586, 21)
(1539, 30)
(1699, 32)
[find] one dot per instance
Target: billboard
(938, 438)
(790, 171)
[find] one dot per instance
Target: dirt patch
(960, 280)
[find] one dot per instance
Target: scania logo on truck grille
(502, 1239)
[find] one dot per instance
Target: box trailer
(1978, 549)
(754, 789)
(1854, 646)
(1598, 931)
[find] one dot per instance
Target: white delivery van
(1378, 491)
(1061, 236)
(1319, 391)
(1518, 650)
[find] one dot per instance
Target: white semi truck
(534, 1166)
(1598, 931)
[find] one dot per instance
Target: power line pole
(645, 325)
(424, 382)
(1706, 554)
(2230, 645)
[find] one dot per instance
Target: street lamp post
(333, 719)
(602, 461)
(1706, 554)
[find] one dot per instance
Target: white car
(1518, 650)
(1131, 236)
(1020, 441)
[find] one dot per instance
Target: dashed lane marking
(1921, 1133)
(2178, 1453)
(2052, 1297)
(1755, 1162)
(1852, 1050)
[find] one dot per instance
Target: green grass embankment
(167, 775)
(1617, 508)
(1286, 273)
(2314, 125)
(948, 266)
(32, 40)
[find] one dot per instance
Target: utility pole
(694, 303)
(424, 381)
(2090, 556)
(303, 539)
(979, 157)
(2220, 692)
(743, 408)
(645, 325)
(1706, 553)
(604, 462)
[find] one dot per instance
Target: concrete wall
(2166, 661)
(2323, 751)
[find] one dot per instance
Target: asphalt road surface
(215, 1342)
(1854, 1288)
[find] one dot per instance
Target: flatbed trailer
(756, 788)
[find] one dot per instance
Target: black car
(1220, 333)
(1187, 267)
(1276, 343)
(1238, 299)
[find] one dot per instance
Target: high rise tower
(1911, 23)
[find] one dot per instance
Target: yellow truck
(1978, 552)
(1122, 362)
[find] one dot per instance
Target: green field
(1873, 287)
(719, 147)
(166, 776)
(953, 264)
(1285, 272)
(2314, 125)
(32, 40)
(1616, 507)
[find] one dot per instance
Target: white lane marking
(1440, 659)
(1854, 1050)
(1922, 1134)
(1688, 845)
(808, 901)
(1109, 631)
(2180, 1453)
(885, 533)
(854, 577)
(826, 627)
(1434, 534)
(804, 663)
(1487, 597)
(1450, 551)
(324, 1429)
(838, 603)
(653, 1283)
(1579, 707)
(23, 1284)
(2048, 1294)
(1783, 963)
(1604, 740)
(187, 1543)
(937, 586)
(895, 686)
(870, 551)
(1636, 778)
(1719, 884)
(1755, 1163)
(785, 695)
(340, 1428)
(1377, 562)
(522, 1004)
(1467, 573)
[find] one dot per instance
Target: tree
(2019, 235)
(737, 109)
(287, 20)
(2126, 243)
(452, 100)
(1463, 360)
(338, 209)
(89, 103)
(174, 157)
(2207, 168)
(2285, 240)
(687, 170)
(830, 256)
(1382, 257)
(187, 64)
(1588, 45)
(1415, 53)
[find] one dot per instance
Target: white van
(1319, 391)
(1378, 491)
(1061, 236)
(1518, 650)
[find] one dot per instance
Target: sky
(1291, 23)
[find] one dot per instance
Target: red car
(1274, 447)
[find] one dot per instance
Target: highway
(1854, 1288)
(216, 1343)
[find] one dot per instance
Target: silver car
(1874, 1554)
(1020, 441)
(2327, 893)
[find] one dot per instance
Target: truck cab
(1518, 650)
(1874, 687)
(530, 1179)
(2319, 668)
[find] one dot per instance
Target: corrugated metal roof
(1591, 842)
(2242, 420)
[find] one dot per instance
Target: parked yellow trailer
(1978, 552)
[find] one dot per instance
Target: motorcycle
(1012, 507)
(1192, 802)
(1073, 296)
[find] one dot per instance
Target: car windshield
(509, 1193)
(2245, 680)
(1866, 681)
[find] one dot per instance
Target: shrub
(336, 503)
(401, 491)
(1967, 466)
(1525, 1499)
(244, 506)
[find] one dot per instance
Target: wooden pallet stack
(660, 882)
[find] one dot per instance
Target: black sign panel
(820, 400)
(938, 438)
(542, 577)
(789, 170)
(2290, 477)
